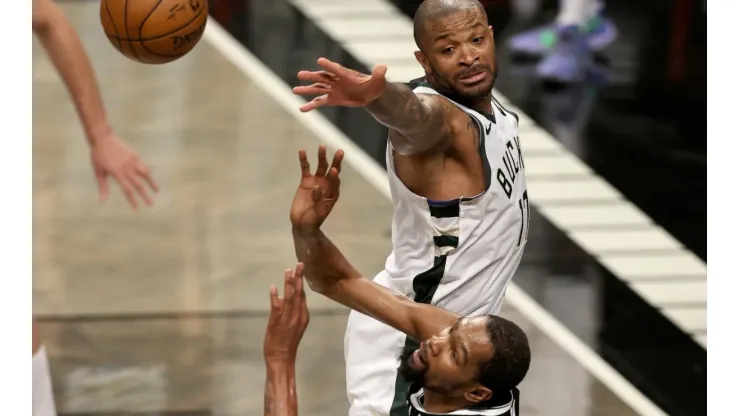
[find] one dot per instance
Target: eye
(478, 39)
(447, 50)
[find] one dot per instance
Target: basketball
(154, 31)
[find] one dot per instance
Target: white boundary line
(282, 93)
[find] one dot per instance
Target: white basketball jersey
(461, 254)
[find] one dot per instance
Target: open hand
(288, 318)
(112, 157)
(340, 86)
(317, 193)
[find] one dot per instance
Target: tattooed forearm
(416, 124)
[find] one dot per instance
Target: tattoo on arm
(417, 123)
(474, 129)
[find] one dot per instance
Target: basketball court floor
(163, 312)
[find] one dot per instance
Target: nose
(435, 345)
(468, 56)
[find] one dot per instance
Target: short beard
(405, 370)
(449, 91)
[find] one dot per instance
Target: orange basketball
(154, 31)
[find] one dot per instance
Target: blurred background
(163, 312)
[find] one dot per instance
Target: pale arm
(65, 50)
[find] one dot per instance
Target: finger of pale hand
(337, 162)
(336, 69)
(103, 190)
(127, 189)
(132, 177)
(305, 166)
(323, 163)
(143, 172)
(315, 103)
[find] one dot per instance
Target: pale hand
(317, 193)
(340, 86)
(288, 318)
(112, 157)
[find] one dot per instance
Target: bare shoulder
(442, 105)
(463, 127)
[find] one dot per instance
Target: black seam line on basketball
(177, 55)
(112, 23)
(141, 26)
(125, 25)
(164, 35)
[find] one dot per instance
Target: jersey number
(524, 209)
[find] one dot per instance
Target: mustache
(473, 70)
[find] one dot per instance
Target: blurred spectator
(566, 44)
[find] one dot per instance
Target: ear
(490, 29)
(478, 394)
(423, 61)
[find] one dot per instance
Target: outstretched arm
(110, 156)
(417, 122)
(63, 45)
(329, 273)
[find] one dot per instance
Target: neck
(482, 105)
(437, 403)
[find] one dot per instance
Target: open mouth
(473, 78)
(417, 358)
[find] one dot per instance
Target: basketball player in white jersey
(467, 366)
(289, 317)
(110, 156)
(456, 172)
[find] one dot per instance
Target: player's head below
(456, 47)
(471, 362)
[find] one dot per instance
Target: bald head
(437, 9)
